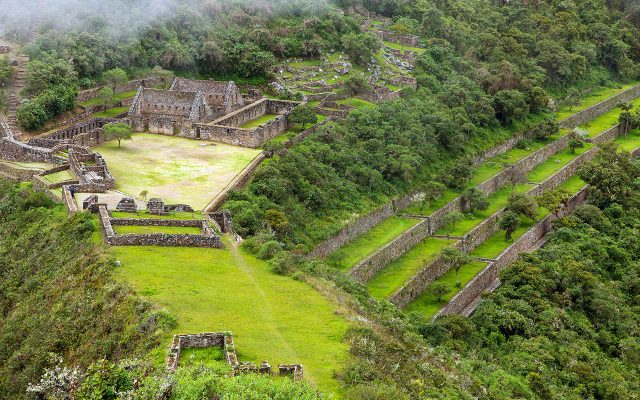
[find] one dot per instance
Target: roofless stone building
(208, 110)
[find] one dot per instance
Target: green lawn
(116, 97)
(145, 214)
(428, 306)
(594, 97)
(631, 142)
(396, 274)
(573, 184)
(416, 208)
(396, 46)
(497, 243)
(554, 163)
(27, 165)
(355, 102)
(272, 317)
(211, 357)
(172, 230)
(605, 121)
(112, 112)
(175, 169)
(497, 201)
(381, 234)
(254, 123)
(58, 177)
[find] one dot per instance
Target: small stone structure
(127, 204)
(224, 341)
(223, 219)
(90, 168)
(156, 207)
(90, 203)
(5, 49)
(207, 237)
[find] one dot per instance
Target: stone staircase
(21, 72)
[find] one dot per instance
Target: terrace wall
(596, 110)
(130, 86)
(530, 241)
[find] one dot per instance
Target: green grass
(396, 46)
(573, 184)
(293, 131)
(172, 230)
(116, 97)
(58, 177)
(417, 209)
(272, 317)
(594, 97)
(112, 112)
(365, 244)
(355, 102)
(211, 357)
(497, 243)
(145, 214)
(631, 142)
(254, 123)
(175, 169)
(428, 306)
(396, 274)
(605, 121)
(497, 201)
(554, 163)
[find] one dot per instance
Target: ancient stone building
(174, 111)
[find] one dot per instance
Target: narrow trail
(21, 72)
(247, 271)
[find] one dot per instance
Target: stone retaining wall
(22, 174)
(528, 242)
(596, 110)
(130, 86)
(606, 136)
(415, 286)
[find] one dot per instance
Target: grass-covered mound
(57, 294)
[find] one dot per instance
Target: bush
(269, 249)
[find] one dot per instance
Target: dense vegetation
(487, 69)
(57, 294)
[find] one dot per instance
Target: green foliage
(509, 223)
(54, 280)
(451, 219)
(5, 71)
(115, 77)
(360, 47)
(455, 259)
(303, 114)
(554, 200)
(117, 130)
(106, 96)
(31, 115)
(522, 204)
(475, 199)
(438, 289)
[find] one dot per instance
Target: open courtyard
(178, 170)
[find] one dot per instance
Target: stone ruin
(127, 204)
(223, 219)
(90, 203)
(156, 207)
(5, 49)
(173, 111)
(224, 341)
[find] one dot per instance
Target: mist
(124, 18)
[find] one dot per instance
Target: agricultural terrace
(175, 169)
(272, 317)
(594, 97)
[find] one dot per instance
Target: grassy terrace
(116, 97)
(631, 142)
(254, 123)
(497, 201)
(211, 357)
(365, 244)
(400, 47)
(175, 169)
(145, 214)
(555, 163)
(482, 173)
(27, 165)
(172, 230)
(605, 121)
(593, 98)
(272, 317)
(394, 275)
(428, 306)
(112, 112)
(58, 177)
(293, 131)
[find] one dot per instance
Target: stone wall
(84, 133)
(238, 182)
(14, 150)
(352, 230)
(189, 223)
(596, 110)
(606, 136)
(21, 174)
(530, 241)
(130, 86)
(208, 238)
(415, 286)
